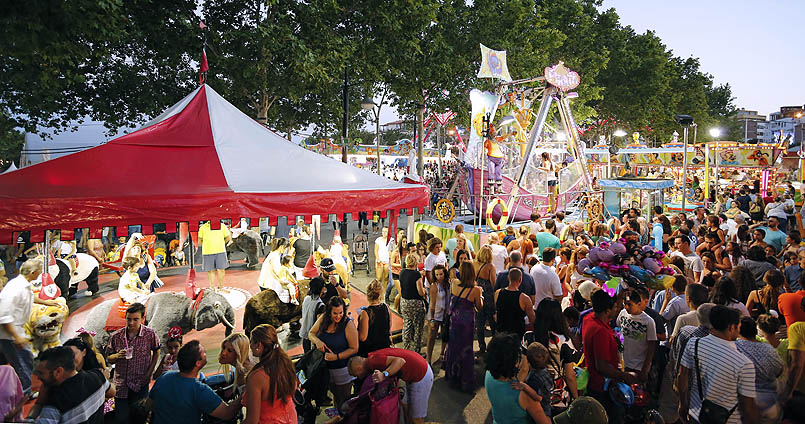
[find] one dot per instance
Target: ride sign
(561, 77)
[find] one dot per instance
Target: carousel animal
(250, 243)
(266, 308)
(164, 311)
(86, 270)
(44, 326)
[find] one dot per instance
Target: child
(310, 310)
(131, 289)
(64, 250)
(172, 346)
(287, 279)
(675, 303)
(639, 334)
(177, 253)
(539, 378)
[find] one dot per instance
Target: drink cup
(129, 353)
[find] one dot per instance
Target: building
(753, 125)
(787, 125)
(393, 125)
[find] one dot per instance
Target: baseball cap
(584, 410)
(327, 264)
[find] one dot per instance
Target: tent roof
(201, 159)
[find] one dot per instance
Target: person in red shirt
(792, 305)
(601, 353)
(410, 366)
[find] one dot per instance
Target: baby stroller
(225, 388)
(360, 252)
(311, 370)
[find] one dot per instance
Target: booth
(623, 193)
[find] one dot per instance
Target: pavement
(447, 405)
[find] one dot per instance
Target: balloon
(652, 265)
(614, 282)
(598, 273)
(605, 255)
(641, 274)
(583, 265)
(593, 255)
(618, 248)
(582, 377)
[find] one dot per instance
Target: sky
(757, 46)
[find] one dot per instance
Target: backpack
(375, 404)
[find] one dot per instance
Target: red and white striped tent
(202, 159)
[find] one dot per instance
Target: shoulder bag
(711, 413)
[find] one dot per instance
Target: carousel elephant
(266, 308)
(166, 310)
(87, 270)
(250, 243)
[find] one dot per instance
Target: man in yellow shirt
(213, 252)
(795, 383)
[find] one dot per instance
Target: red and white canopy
(202, 159)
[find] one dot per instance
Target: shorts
(417, 395)
(340, 376)
(552, 183)
(214, 261)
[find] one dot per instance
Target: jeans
(615, 413)
(22, 360)
(123, 407)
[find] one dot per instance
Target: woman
(552, 178)
(461, 257)
(335, 334)
(485, 279)
(743, 237)
(552, 331)
(756, 209)
(792, 243)
(573, 277)
(709, 262)
(412, 305)
(461, 244)
(272, 382)
(396, 259)
(744, 281)
(764, 300)
(374, 322)
(758, 234)
(146, 269)
(511, 399)
(271, 274)
(466, 298)
(768, 366)
(438, 318)
(725, 293)
(235, 355)
(734, 254)
(563, 269)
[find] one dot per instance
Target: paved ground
(446, 404)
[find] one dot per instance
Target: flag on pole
(204, 67)
(493, 64)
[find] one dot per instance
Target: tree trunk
(420, 116)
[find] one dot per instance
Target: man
(793, 270)
(510, 236)
(511, 306)
(302, 248)
(695, 296)
(410, 366)
(134, 349)
(790, 304)
(546, 238)
(535, 225)
(16, 300)
(795, 380)
(774, 236)
(693, 263)
(546, 281)
(179, 397)
(720, 373)
(559, 219)
(601, 354)
(333, 285)
(743, 200)
(213, 251)
(451, 244)
(500, 258)
(700, 217)
(73, 396)
(675, 303)
(382, 258)
(527, 283)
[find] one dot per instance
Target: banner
(493, 64)
(738, 157)
(483, 103)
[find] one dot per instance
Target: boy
(539, 378)
(675, 303)
(311, 307)
(639, 334)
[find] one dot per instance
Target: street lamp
(716, 133)
(369, 105)
(612, 151)
(619, 133)
(686, 121)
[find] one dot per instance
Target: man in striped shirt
(713, 369)
(73, 396)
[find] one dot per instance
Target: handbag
(711, 412)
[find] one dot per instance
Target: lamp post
(618, 133)
(345, 121)
(369, 104)
(716, 133)
(686, 121)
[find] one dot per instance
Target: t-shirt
(599, 343)
(431, 261)
(534, 227)
(796, 341)
(179, 399)
(636, 330)
(774, 238)
(692, 261)
(758, 270)
(676, 307)
(382, 250)
(499, 256)
(743, 202)
(79, 399)
(542, 383)
(301, 249)
(213, 241)
(546, 283)
(792, 274)
(526, 285)
(691, 318)
(790, 305)
(415, 366)
(545, 239)
(725, 373)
